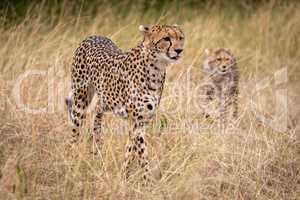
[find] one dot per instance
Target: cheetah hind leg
(77, 103)
(96, 136)
(69, 103)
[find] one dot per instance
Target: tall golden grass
(189, 157)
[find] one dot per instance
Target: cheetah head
(166, 41)
(219, 61)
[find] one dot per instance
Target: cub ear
(207, 52)
(228, 51)
(143, 29)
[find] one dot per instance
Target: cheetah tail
(68, 101)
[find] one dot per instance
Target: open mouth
(223, 69)
(174, 57)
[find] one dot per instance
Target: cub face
(166, 41)
(218, 62)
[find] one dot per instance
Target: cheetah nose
(178, 51)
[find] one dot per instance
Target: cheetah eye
(180, 38)
(167, 39)
(219, 59)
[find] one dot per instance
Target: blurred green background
(14, 10)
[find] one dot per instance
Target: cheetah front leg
(222, 112)
(141, 149)
(137, 150)
(235, 106)
(130, 156)
(207, 93)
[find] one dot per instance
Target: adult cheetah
(129, 84)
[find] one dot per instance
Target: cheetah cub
(221, 70)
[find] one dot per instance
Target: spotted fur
(129, 84)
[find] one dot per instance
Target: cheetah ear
(207, 52)
(145, 32)
(143, 29)
(175, 25)
(228, 50)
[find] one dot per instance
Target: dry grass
(251, 161)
